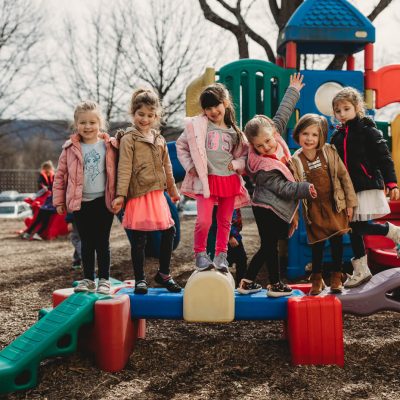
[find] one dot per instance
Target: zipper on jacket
(365, 170)
(345, 146)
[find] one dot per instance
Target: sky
(387, 46)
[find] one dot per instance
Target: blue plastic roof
(327, 27)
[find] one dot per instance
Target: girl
(88, 191)
(212, 150)
(144, 171)
(367, 158)
(328, 215)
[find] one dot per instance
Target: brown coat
(343, 191)
(144, 165)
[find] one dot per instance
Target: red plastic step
(315, 330)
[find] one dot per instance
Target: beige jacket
(344, 195)
(144, 165)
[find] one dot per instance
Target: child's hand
(117, 204)
(175, 198)
(70, 228)
(296, 81)
(394, 194)
(193, 172)
(313, 191)
(233, 242)
(230, 166)
(60, 209)
(350, 213)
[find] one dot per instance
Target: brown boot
(318, 284)
(336, 282)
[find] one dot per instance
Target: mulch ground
(178, 360)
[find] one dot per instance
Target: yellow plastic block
(194, 90)
(395, 130)
(209, 297)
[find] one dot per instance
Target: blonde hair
(89, 105)
(354, 97)
(215, 94)
(47, 165)
(308, 120)
(145, 97)
(252, 128)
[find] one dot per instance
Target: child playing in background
(328, 215)
(212, 150)
(85, 185)
(46, 210)
(367, 158)
(75, 240)
(144, 172)
(276, 194)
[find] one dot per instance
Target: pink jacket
(68, 181)
(191, 150)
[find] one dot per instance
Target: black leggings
(237, 255)
(94, 222)
(271, 229)
(42, 219)
(138, 246)
(361, 228)
(317, 250)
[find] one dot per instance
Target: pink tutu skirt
(149, 212)
(224, 186)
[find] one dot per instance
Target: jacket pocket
(365, 171)
(145, 174)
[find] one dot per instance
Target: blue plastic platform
(258, 306)
(160, 304)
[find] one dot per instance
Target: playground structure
(312, 325)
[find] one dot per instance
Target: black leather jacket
(365, 153)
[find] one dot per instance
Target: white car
(15, 209)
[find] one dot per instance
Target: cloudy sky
(387, 46)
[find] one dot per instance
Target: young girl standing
(212, 150)
(327, 216)
(84, 184)
(144, 172)
(367, 158)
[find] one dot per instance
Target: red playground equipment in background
(56, 226)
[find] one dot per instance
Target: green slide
(53, 335)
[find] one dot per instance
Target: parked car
(8, 195)
(15, 209)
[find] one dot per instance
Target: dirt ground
(177, 360)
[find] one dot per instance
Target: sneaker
(36, 236)
(76, 265)
(279, 290)
(203, 262)
(247, 286)
(141, 287)
(221, 263)
(86, 285)
(25, 236)
(169, 283)
(104, 286)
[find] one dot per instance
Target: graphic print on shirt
(219, 141)
(91, 164)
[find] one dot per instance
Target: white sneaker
(36, 236)
(86, 285)
(104, 286)
(361, 273)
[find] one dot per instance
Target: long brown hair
(216, 94)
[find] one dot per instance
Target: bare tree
(243, 32)
(20, 62)
(170, 47)
(91, 63)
